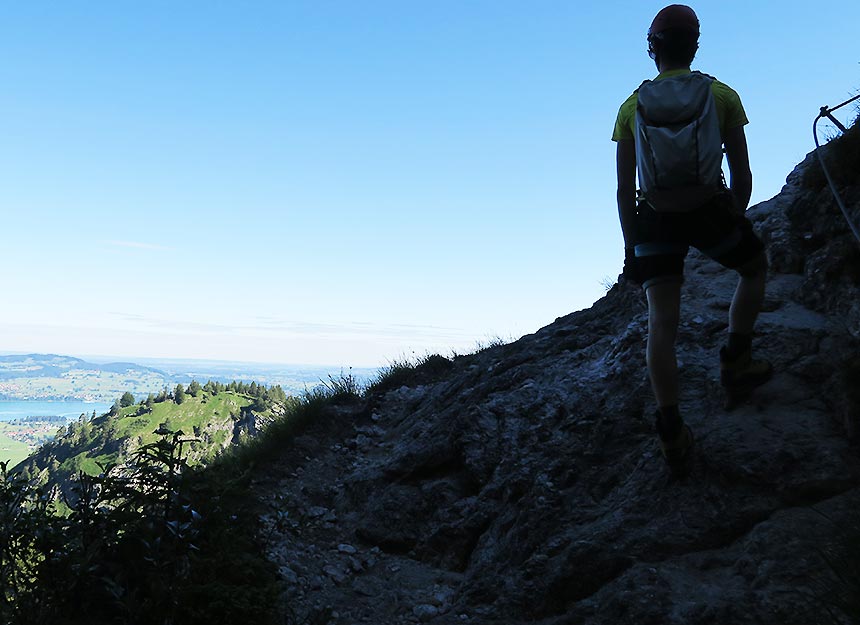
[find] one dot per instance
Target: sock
(669, 422)
(738, 344)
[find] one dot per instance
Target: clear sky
(347, 183)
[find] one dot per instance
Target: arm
(625, 163)
(740, 176)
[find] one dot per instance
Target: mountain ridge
(58, 377)
(523, 484)
(520, 484)
(73, 362)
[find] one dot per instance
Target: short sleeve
(624, 122)
(729, 107)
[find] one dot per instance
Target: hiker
(672, 131)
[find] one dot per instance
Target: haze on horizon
(347, 183)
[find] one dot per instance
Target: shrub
(150, 542)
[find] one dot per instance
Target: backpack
(679, 148)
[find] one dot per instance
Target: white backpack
(679, 149)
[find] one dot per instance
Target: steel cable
(827, 112)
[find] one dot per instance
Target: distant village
(35, 430)
(36, 389)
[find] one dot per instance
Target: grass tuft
(344, 387)
(405, 373)
(842, 155)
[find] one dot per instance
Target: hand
(732, 206)
(631, 266)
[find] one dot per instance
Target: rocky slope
(524, 484)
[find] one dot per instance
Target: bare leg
(749, 296)
(664, 311)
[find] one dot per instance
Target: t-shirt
(730, 111)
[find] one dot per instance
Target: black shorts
(716, 229)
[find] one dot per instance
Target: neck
(668, 67)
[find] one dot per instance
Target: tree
(114, 410)
(277, 393)
(194, 388)
(126, 400)
(261, 403)
(179, 394)
(108, 430)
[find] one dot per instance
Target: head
(673, 38)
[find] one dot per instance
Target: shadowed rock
(524, 484)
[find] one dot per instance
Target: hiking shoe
(678, 451)
(743, 373)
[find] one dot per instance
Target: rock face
(524, 484)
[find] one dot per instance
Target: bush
(150, 542)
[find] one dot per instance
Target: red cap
(676, 16)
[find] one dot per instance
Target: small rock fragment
(425, 612)
(316, 512)
(288, 574)
(336, 575)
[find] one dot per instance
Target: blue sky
(347, 183)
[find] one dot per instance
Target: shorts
(716, 229)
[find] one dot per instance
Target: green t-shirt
(730, 111)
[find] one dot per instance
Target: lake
(15, 409)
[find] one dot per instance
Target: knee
(756, 268)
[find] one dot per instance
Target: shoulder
(629, 105)
(729, 106)
(626, 114)
(723, 91)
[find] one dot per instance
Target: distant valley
(63, 378)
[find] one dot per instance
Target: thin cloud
(138, 245)
(275, 326)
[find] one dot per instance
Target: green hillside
(210, 420)
(162, 536)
